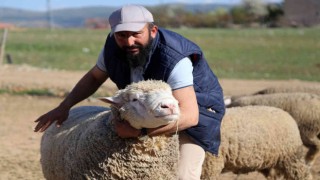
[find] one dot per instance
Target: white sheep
(314, 89)
(303, 107)
(258, 138)
(290, 89)
(86, 146)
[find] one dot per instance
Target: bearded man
(136, 49)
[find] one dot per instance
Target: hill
(76, 17)
(71, 17)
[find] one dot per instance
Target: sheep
(286, 89)
(278, 89)
(258, 138)
(87, 147)
(303, 107)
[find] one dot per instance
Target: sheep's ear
(227, 100)
(111, 100)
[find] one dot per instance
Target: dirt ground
(19, 145)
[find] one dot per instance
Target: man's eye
(122, 35)
(137, 34)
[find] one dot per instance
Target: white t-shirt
(181, 75)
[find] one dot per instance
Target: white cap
(129, 18)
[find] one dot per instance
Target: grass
(69, 49)
(262, 53)
(231, 53)
(31, 92)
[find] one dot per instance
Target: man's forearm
(83, 89)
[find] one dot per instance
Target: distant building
(6, 26)
(301, 12)
(96, 23)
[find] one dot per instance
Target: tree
(256, 9)
(275, 11)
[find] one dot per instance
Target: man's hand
(125, 130)
(58, 114)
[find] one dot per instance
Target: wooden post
(2, 45)
(9, 59)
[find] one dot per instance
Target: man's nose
(130, 40)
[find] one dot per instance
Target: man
(136, 50)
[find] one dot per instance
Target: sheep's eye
(134, 98)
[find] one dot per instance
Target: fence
(2, 45)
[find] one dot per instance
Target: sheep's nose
(169, 107)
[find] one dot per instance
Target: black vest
(167, 50)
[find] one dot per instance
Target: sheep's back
(58, 144)
(303, 107)
(290, 89)
(256, 137)
(86, 147)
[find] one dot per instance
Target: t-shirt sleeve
(100, 62)
(181, 75)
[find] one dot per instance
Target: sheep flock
(256, 137)
(301, 102)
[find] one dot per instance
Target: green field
(231, 53)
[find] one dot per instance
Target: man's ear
(154, 31)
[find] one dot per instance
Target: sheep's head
(147, 104)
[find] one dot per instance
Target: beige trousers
(191, 158)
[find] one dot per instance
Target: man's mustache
(131, 47)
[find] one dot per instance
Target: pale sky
(41, 5)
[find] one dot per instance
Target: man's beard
(138, 59)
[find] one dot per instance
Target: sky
(41, 5)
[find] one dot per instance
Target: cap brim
(134, 27)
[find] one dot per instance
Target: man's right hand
(87, 85)
(58, 114)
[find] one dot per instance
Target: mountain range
(76, 17)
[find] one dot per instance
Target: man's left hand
(125, 130)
